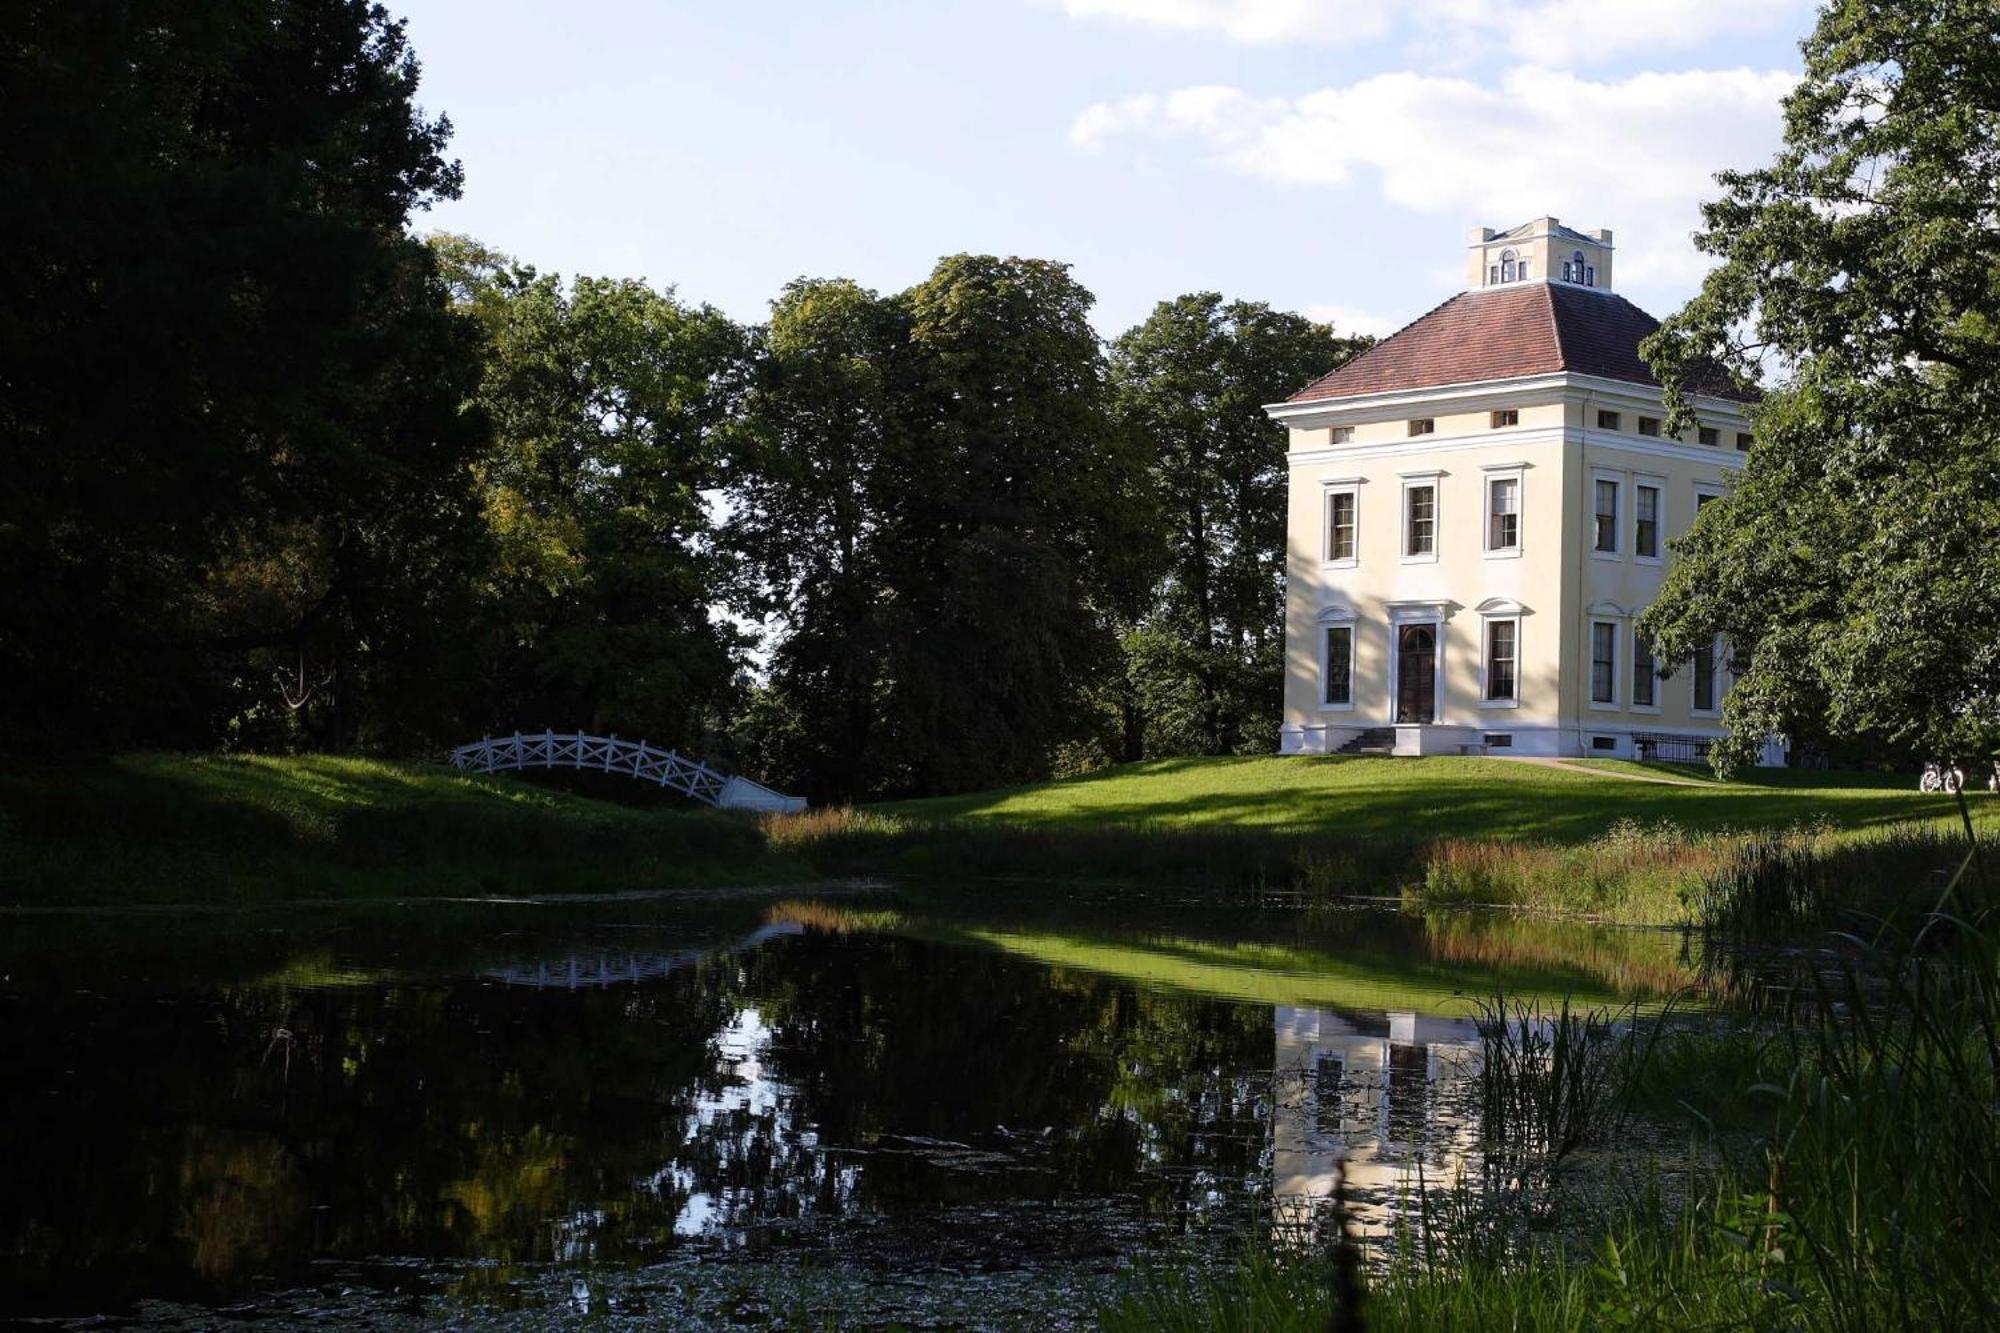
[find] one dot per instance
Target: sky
(1326, 156)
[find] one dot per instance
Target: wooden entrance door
(1416, 673)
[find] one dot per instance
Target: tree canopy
(1855, 568)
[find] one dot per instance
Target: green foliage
(232, 408)
(610, 403)
(1190, 385)
(1853, 568)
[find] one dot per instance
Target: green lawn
(180, 828)
(1427, 798)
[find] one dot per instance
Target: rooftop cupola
(1539, 251)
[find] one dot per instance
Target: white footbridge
(635, 759)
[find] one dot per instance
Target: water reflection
(498, 1109)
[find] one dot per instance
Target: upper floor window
(1606, 516)
(1503, 514)
(1607, 420)
(1342, 435)
(1649, 425)
(1341, 517)
(1646, 522)
(1708, 435)
(1509, 262)
(1420, 525)
(1743, 439)
(1506, 416)
(1423, 426)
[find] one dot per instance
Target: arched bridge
(636, 759)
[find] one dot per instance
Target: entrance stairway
(1375, 740)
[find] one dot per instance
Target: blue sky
(1325, 157)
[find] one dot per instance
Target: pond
(969, 1108)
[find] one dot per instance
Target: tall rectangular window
(1645, 675)
(1340, 527)
(1607, 515)
(1420, 532)
(1337, 679)
(1502, 658)
(1646, 522)
(1603, 662)
(1704, 679)
(1503, 514)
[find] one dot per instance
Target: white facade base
(1545, 740)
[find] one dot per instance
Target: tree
(230, 388)
(1190, 384)
(611, 405)
(1855, 567)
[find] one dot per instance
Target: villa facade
(1480, 507)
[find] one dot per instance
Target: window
(1492, 275)
(1607, 515)
(1503, 514)
(1507, 263)
(1506, 416)
(1603, 662)
(1423, 426)
(1501, 741)
(1708, 435)
(1603, 742)
(1646, 522)
(1503, 639)
(1341, 506)
(1607, 420)
(1704, 680)
(1645, 675)
(1701, 499)
(1649, 425)
(1590, 275)
(1574, 267)
(1420, 526)
(1743, 441)
(1337, 667)
(1342, 435)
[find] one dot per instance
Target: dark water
(932, 1109)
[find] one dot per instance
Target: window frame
(1716, 689)
(1744, 439)
(1414, 481)
(1708, 437)
(1608, 705)
(1487, 624)
(1493, 475)
(1615, 551)
(1652, 676)
(1609, 420)
(1513, 415)
(1657, 485)
(1351, 487)
(1649, 427)
(1340, 435)
(1422, 426)
(1328, 626)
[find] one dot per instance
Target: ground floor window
(1704, 679)
(1337, 666)
(1645, 675)
(1603, 662)
(1502, 658)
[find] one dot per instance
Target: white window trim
(1343, 486)
(1494, 612)
(1632, 665)
(1336, 617)
(1721, 687)
(1434, 480)
(1659, 485)
(1712, 490)
(1610, 705)
(1619, 515)
(1514, 472)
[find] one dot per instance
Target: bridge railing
(608, 754)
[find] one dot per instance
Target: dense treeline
(282, 475)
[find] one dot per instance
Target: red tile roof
(1529, 328)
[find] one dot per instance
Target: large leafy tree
(1855, 568)
(1190, 384)
(611, 403)
(230, 388)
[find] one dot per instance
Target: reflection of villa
(1481, 506)
(1383, 1094)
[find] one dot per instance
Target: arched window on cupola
(1508, 263)
(1573, 267)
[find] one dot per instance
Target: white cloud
(1561, 32)
(1635, 154)
(1353, 319)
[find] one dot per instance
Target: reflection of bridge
(635, 759)
(579, 971)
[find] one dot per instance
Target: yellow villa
(1481, 506)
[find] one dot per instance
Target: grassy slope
(1477, 798)
(169, 828)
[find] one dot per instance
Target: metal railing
(608, 754)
